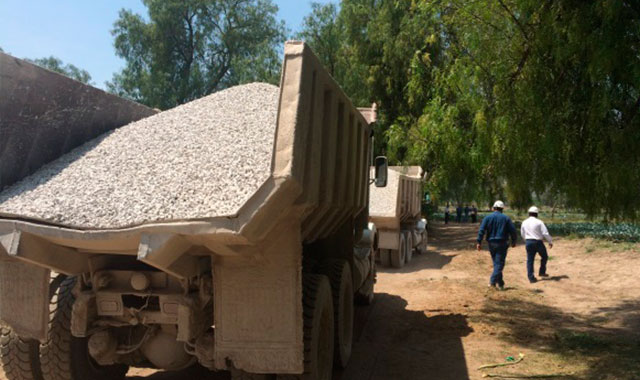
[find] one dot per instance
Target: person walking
(458, 214)
(447, 213)
(533, 233)
(474, 214)
(498, 228)
(466, 213)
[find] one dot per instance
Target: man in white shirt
(533, 233)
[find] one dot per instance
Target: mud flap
(24, 297)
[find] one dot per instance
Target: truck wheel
(339, 274)
(318, 328)
(65, 357)
(398, 256)
(408, 238)
(385, 257)
(19, 356)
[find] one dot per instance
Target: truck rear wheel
(20, 357)
(65, 357)
(408, 238)
(318, 328)
(339, 274)
(398, 256)
(385, 257)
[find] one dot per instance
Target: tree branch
(515, 19)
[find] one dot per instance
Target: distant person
(466, 213)
(474, 214)
(498, 228)
(447, 212)
(458, 214)
(534, 232)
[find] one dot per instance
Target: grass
(579, 341)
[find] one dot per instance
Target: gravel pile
(383, 201)
(203, 159)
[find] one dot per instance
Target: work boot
(533, 280)
(543, 275)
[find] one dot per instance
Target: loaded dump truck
(395, 212)
(231, 231)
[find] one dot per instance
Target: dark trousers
(533, 247)
(446, 218)
(498, 250)
(474, 218)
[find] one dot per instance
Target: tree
(507, 97)
(324, 30)
(55, 64)
(188, 49)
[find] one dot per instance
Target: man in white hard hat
(534, 232)
(499, 228)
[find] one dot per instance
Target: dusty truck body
(395, 211)
(44, 114)
(266, 289)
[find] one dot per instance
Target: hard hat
(498, 204)
(533, 209)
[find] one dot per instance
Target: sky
(78, 31)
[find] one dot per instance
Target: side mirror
(382, 168)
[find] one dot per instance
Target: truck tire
(408, 238)
(398, 256)
(385, 257)
(63, 356)
(339, 274)
(20, 357)
(317, 307)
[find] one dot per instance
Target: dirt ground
(437, 319)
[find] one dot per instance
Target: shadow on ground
(395, 343)
(611, 353)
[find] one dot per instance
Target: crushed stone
(202, 159)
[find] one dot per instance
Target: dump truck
(264, 288)
(395, 211)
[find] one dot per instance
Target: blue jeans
(498, 250)
(533, 247)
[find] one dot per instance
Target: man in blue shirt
(498, 228)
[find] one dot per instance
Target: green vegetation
(620, 232)
(189, 49)
(55, 64)
(579, 341)
(512, 99)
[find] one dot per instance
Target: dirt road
(437, 319)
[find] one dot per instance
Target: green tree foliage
(55, 64)
(324, 30)
(190, 48)
(515, 98)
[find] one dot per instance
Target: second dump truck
(264, 290)
(395, 211)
